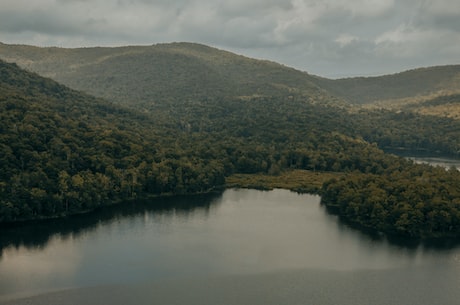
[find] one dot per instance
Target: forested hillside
(442, 106)
(412, 84)
(65, 152)
(180, 82)
(418, 201)
(140, 76)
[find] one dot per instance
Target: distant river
(239, 247)
(444, 162)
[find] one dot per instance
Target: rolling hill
(442, 106)
(430, 91)
(63, 152)
(145, 75)
(399, 88)
(142, 75)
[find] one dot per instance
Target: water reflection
(443, 162)
(238, 232)
(410, 244)
(37, 235)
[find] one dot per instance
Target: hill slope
(189, 86)
(415, 84)
(62, 151)
(143, 75)
(443, 106)
(164, 72)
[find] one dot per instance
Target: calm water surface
(240, 247)
(444, 162)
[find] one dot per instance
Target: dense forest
(416, 83)
(65, 152)
(178, 82)
(140, 76)
(406, 199)
(190, 70)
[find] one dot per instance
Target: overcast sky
(331, 38)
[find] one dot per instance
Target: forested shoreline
(64, 152)
(416, 201)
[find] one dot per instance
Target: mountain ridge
(191, 70)
(161, 71)
(416, 83)
(180, 82)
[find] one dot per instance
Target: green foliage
(301, 181)
(201, 89)
(140, 76)
(64, 152)
(407, 199)
(408, 132)
(196, 116)
(412, 83)
(441, 106)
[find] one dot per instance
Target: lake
(238, 247)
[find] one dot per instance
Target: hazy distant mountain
(412, 85)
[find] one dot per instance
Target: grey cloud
(41, 22)
(444, 21)
(328, 37)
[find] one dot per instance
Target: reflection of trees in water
(37, 234)
(410, 244)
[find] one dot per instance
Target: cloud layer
(324, 37)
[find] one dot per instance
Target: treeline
(407, 84)
(408, 199)
(63, 152)
(408, 132)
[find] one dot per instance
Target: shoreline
(301, 181)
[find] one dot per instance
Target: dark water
(240, 247)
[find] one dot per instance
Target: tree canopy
(65, 152)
